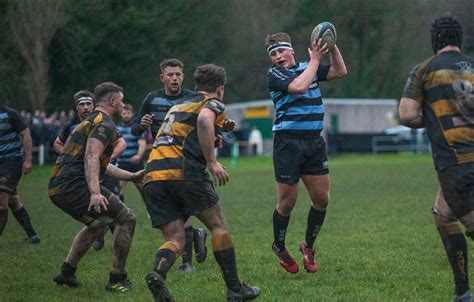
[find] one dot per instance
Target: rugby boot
(118, 283)
(200, 247)
(244, 294)
(157, 286)
(70, 281)
(466, 297)
(186, 267)
(308, 258)
(33, 240)
(286, 261)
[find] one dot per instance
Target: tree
(32, 24)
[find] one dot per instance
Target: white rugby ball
(325, 31)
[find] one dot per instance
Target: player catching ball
(299, 151)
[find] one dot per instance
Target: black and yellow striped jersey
(430, 83)
(68, 172)
(176, 153)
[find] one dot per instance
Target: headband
(279, 45)
(84, 99)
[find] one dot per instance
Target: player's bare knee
(445, 224)
(320, 203)
(14, 203)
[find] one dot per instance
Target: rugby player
(178, 186)
(15, 160)
(150, 116)
(75, 188)
(299, 150)
(434, 96)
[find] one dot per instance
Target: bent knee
(321, 203)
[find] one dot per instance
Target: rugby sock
(117, 277)
(24, 220)
(315, 222)
(188, 245)
(224, 253)
(68, 270)
(280, 224)
(3, 219)
(456, 249)
(165, 258)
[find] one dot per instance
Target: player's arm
(304, 80)
(410, 108)
(205, 131)
(121, 174)
(142, 119)
(27, 149)
(141, 151)
(410, 113)
(338, 67)
(120, 146)
(94, 148)
(58, 145)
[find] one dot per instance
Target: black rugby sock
(187, 255)
(456, 249)
(24, 220)
(68, 270)
(165, 258)
(280, 224)
(315, 223)
(3, 219)
(224, 254)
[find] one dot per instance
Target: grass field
(378, 243)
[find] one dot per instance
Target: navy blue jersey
(11, 124)
(68, 128)
(132, 142)
(157, 103)
(297, 114)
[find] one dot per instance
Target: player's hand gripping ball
(325, 31)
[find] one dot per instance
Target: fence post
(41, 155)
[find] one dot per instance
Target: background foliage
(124, 41)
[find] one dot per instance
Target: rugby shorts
(10, 174)
(170, 200)
(457, 184)
(294, 156)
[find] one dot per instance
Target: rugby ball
(325, 31)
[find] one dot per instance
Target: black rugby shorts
(293, 157)
(169, 200)
(10, 174)
(457, 184)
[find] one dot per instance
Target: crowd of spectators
(44, 128)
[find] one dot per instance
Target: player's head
(84, 100)
(445, 31)
(109, 95)
(172, 76)
(210, 78)
(280, 50)
(127, 113)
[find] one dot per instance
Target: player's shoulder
(8, 110)
(154, 94)
(187, 92)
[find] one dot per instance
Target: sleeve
(219, 109)
(413, 88)
(322, 72)
(64, 132)
(279, 79)
(16, 121)
(104, 132)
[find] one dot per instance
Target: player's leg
(187, 254)
(21, 215)
(287, 156)
(4, 197)
(318, 189)
(173, 233)
(123, 184)
(224, 253)
(454, 243)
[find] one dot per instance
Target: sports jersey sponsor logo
(162, 140)
(314, 85)
(465, 66)
(459, 121)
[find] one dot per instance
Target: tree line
(52, 48)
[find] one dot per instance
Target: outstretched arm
(338, 67)
(27, 149)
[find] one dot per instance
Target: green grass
(378, 243)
